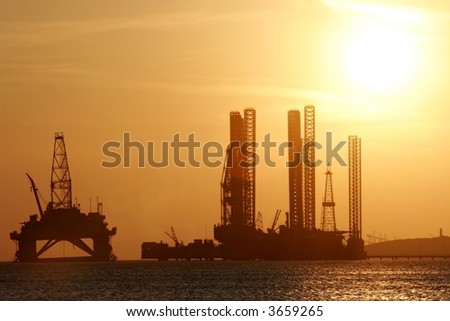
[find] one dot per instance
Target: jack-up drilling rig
(63, 221)
(298, 239)
(239, 234)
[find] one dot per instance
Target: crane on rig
(35, 192)
(275, 221)
(174, 238)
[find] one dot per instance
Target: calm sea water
(219, 280)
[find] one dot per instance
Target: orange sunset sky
(95, 69)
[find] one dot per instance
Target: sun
(379, 58)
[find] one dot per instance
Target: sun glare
(379, 58)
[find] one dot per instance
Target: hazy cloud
(415, 12)
(31, 34)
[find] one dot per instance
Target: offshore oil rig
(63, 221)
(240, 236)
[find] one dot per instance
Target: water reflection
(143, 280)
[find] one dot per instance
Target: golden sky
(376, 69)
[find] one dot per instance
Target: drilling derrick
(355, 241)
(309, 202)
(61, 184)
(328, 215)
(295, 170)
(63, 222)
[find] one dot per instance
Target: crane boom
(173, 236)
(275, 220)
(35, 192)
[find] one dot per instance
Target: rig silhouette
(63, 221)
(239, 234)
